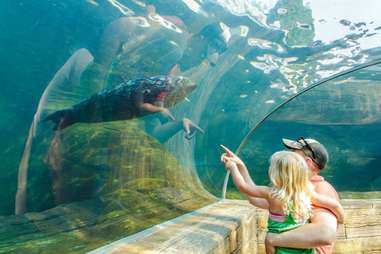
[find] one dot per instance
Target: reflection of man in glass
(321, 232)
(206, 45)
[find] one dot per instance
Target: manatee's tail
(61, 119)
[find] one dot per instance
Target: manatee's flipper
(61, 119)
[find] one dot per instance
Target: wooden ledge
(234, 226)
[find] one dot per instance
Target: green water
(74, 190)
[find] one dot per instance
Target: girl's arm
(243, 186)
(258, 202)
(333, 205)
(255, 201)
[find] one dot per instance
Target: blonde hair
(289, 176)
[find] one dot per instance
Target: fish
(124, 101)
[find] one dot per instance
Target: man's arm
(321, 231)
(307, 236)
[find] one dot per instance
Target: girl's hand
(229, 163)
(232, 156)
(329, 203)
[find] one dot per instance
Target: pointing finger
(227, 150)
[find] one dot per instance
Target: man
(321, 232)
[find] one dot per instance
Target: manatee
(125, 101)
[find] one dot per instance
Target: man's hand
(270, 249)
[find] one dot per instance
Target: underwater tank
(112, 111)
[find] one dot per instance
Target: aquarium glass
(343, 114)
(112, 111)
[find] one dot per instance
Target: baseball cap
(317, 152)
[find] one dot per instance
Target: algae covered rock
(107, 180)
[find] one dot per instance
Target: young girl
(290, 196)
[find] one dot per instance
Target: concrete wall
(234, 226)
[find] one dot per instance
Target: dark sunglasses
(304, 143)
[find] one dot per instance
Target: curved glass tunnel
(93, 148)
(344, 115)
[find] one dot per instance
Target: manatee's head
(178, 89)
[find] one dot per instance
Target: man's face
(307, 159)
